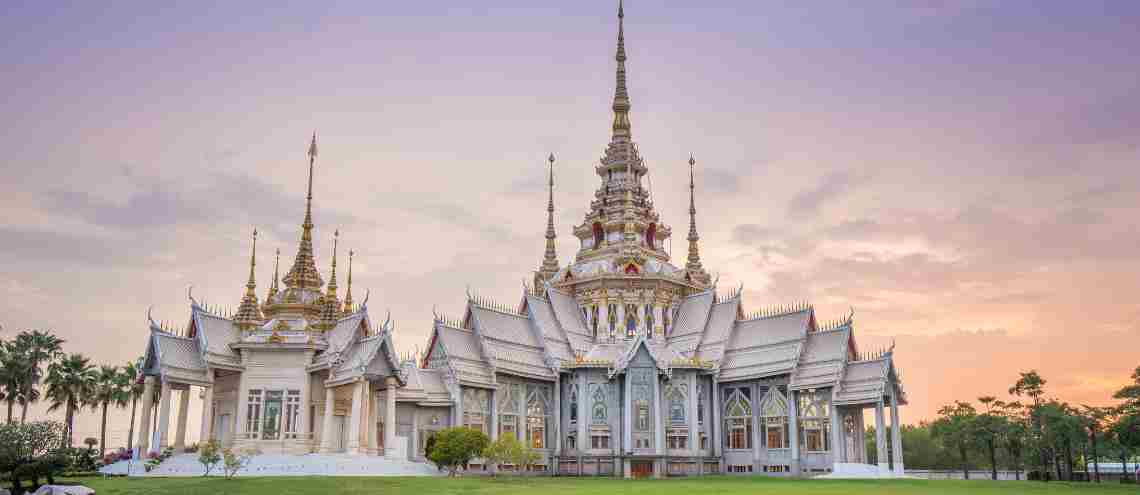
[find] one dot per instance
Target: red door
(641, 469)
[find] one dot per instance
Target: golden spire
(331, 309)
(621, 95)
(249, 313)
(696, 271)
(348, 291)
(332, 278)
(273, 286)
(550, 258)
(303, 274)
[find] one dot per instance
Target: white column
(373, 418)
(715, 426)
(838, 450)
(183, 411)
(144, 420)
(493, 420)
(164, 417)
(557, 418)
(355, 417)
(794, 431)
(583, 440)
(658, 424)
(327, 421)
(206, 433)
(880, 438)
(390, 417)
(896, 435)
(242, 400)
(305, 433)
(694, 427)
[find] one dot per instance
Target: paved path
(283, 465)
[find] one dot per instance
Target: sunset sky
(963, 173)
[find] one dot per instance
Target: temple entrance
(221, 428)
(641, 469)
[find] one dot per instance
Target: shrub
(232, 463)
(209, 454)
(31, 451)
(455, 447)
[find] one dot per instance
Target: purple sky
(964, 174)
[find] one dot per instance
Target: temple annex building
(617, 363)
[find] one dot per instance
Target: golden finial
(249, 313)
(348, 290)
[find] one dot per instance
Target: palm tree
(135, 389)
(34, 349)
(69, 381)
(11, 376)
(109, 388)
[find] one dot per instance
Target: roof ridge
(779, 310)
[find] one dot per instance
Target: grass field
(718, 485)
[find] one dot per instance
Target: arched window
(599, 235)
(676, 397)
(536, 418)
(651, 235)
(700, 404)
(475, 408)
(774, 414)
(573, 404)
(630, 320)
(738, 420)
(814, 409)
(508, 411)
(594, 320)
(649, 320)
(598, 414)
(612, 316)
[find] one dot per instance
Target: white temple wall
(273, 370)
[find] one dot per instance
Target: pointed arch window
(700, 404)
(537, 416)
(675, 396)
(475, 408)
(814, 408)
(649, 320)
(630, 320)
(598, 412)
(599, 235)
(594, 320)
(573, 404)
(774, 414)
(611, 313)
(738, 419)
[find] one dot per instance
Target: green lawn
(718, 485)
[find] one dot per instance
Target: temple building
(617, 363)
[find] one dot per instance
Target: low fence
(946, 474)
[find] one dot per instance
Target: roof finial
(348, 291)
(621, 94)
(273, 286)
(696, 271)
(303, 274)
(549, 264)
(332, 277)
(249, 313)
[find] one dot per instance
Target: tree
(455, 447)
(135, 390)
(1095, 419)
(209, 454)
(956, 426)
(12, 373)
(233, 462)
(1031, 384)
(1015, 435)
(110, 388)
(509, 450)
(34, 348)
(1126, 432)
(988, 427)
(69, 381)
(1130, 394)
(29, 451)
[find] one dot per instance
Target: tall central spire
(303, 275)
(696, 272)
(621, 94)
(550, 258)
